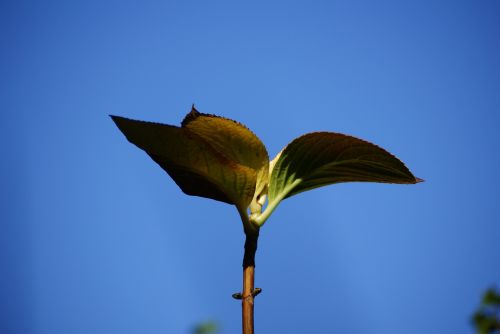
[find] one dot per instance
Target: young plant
(221, 159)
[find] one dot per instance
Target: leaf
(491, 297)
(206, 328)
(208, 156)
(322, 158)
(236, 142)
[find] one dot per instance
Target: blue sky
(95, 238)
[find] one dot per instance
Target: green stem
(271, 206)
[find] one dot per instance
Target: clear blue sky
(96, 238)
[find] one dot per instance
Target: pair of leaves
(218, 158)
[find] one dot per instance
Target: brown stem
(247, 297)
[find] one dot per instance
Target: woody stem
(247, 300)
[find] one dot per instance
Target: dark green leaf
(491, 297)
(322, 158)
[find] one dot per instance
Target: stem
(261, 219)
(247, 300)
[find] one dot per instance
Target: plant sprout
(218, 158)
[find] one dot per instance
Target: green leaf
(323, 158)
(206, 328)
(208, 156)
(491, 297)
(238, 143)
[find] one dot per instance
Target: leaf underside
(322, 158)
(208, 156)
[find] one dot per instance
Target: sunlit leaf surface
(234, 141)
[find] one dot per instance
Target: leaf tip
(117, 119)
(192, 115)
